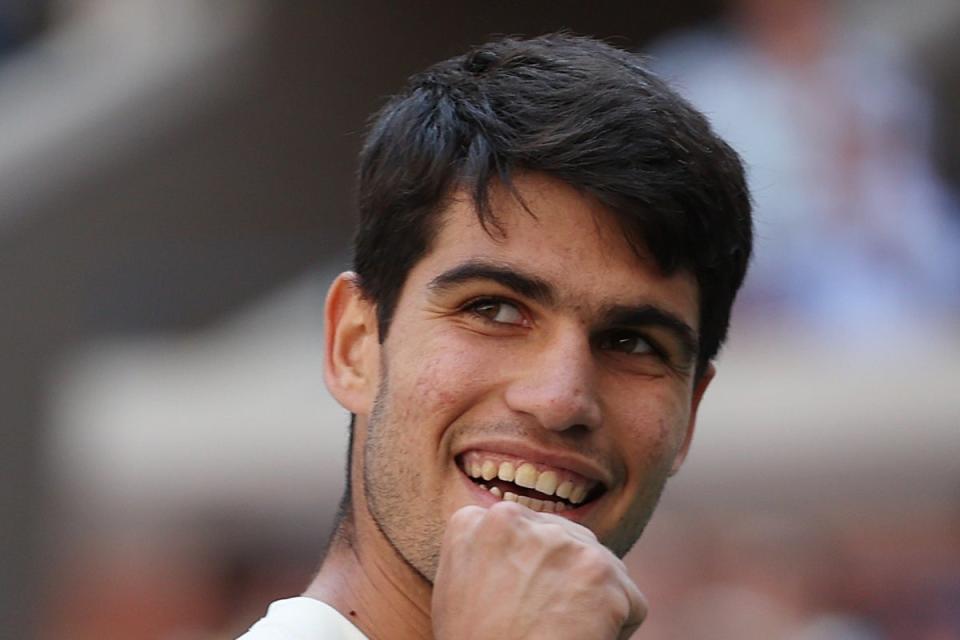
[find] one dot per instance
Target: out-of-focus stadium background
(175, 193)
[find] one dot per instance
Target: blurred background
(176, 193)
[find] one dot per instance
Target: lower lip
(487, 499)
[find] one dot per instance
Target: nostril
(554, 408)
(577, 429)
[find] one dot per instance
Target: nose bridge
(558, 385)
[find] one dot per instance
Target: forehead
(562, 236)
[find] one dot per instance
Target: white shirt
(302, 618)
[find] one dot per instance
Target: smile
(536, 486)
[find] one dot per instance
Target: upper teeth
(546, 481)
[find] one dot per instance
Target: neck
(370, 584)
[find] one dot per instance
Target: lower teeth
(549, 506)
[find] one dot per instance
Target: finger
(512, 509)
(521, 516)
(638, 609)
(575, 529)
(462, 523)
(627, 632)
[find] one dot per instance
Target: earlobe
(351, 366)
(699, 388)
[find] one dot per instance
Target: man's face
(550, 353)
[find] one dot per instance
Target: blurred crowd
(858, 235)
(829, 576)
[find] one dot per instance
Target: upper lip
(546, 456)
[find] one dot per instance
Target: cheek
(435, 385)
(450, 372)
(657, 423)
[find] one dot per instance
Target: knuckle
(553, 531)
(595, 556)
(466, 516)
(506, 521)
(557, 537)
(506, 512)
(596, 564)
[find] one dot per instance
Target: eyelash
(472, 307)
(614, 334)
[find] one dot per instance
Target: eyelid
(655, 347)
(670, 356)
(472, 303)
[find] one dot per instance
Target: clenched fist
(508, 572)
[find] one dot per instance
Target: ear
(352, 356)
(699, 388)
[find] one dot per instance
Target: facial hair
(410, 518)
(391, 489)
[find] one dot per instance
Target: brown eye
(625, 342)
(498, 311)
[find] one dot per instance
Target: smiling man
(549, 247)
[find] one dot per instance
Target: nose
(557, 385)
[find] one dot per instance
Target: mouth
(536, 486)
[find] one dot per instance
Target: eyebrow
(527, 285)
(541, 291)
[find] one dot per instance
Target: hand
(508, 572)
